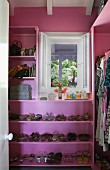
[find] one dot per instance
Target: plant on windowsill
(60, 90)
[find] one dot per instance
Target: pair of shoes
(71, 136)
(70, 157)
(84, 137)
(48, 117)
(78, 117)
(22, 158)
(60, 117)
(54, 157)
(83, 157)
(46, 137)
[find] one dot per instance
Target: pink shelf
(34, 163)
(53, 101)
(52, 143)
(33, 100)
(28, 78)
(27, 58)
(56, 122)
(24, 78)
(79, 100)
(16, 30)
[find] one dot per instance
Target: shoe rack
(69, 119)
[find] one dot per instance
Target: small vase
(60, 93)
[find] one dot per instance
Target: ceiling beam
(89, 7)
(49, 7)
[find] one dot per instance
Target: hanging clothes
(103, 95)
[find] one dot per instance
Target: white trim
(45, 59)
(49, 7)
(11, 7)
(89, 7)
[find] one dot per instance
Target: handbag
(15, 48)
(19, 71)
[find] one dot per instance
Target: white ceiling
(53, 3)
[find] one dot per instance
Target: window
(64, 65)
(64, 57)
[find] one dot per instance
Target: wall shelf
(54, 101)
(63, 164)
(25, 58)
(49, 122)
(29, 38)
(51, 143)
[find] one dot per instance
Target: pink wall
(63, 19)
(102, 43)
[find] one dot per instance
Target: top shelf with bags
(23, 41)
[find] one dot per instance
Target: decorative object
(43, 98)
(68, 95)
(78, 95)
(60, 90)
(73, 96)
(83, 94)
(52, 96)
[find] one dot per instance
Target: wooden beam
(49, 7)
(89, 7)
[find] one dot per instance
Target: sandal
(50, 157)
(60, 117)
(38, 158)
(86, 117)
(62, 138)
(31, 157)
(38, 117)
(23, 117)
(71, 136)
(34, 137)
(69, 157)
(78, 118)
(58, 157)
(71, 118)
(55, 136)
(44, 155)
(48, 117)
(84, 137)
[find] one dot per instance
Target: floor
(49, 168)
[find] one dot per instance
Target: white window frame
(83, 59)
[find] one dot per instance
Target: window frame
(45, 61)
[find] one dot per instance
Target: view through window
(64, 65)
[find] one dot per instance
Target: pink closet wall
(66, 19)
(102, 43)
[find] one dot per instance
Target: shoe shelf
(62, 164)
(52, 143)
(83, 158)
(29, 38)
(54, 101)
(50, 122)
